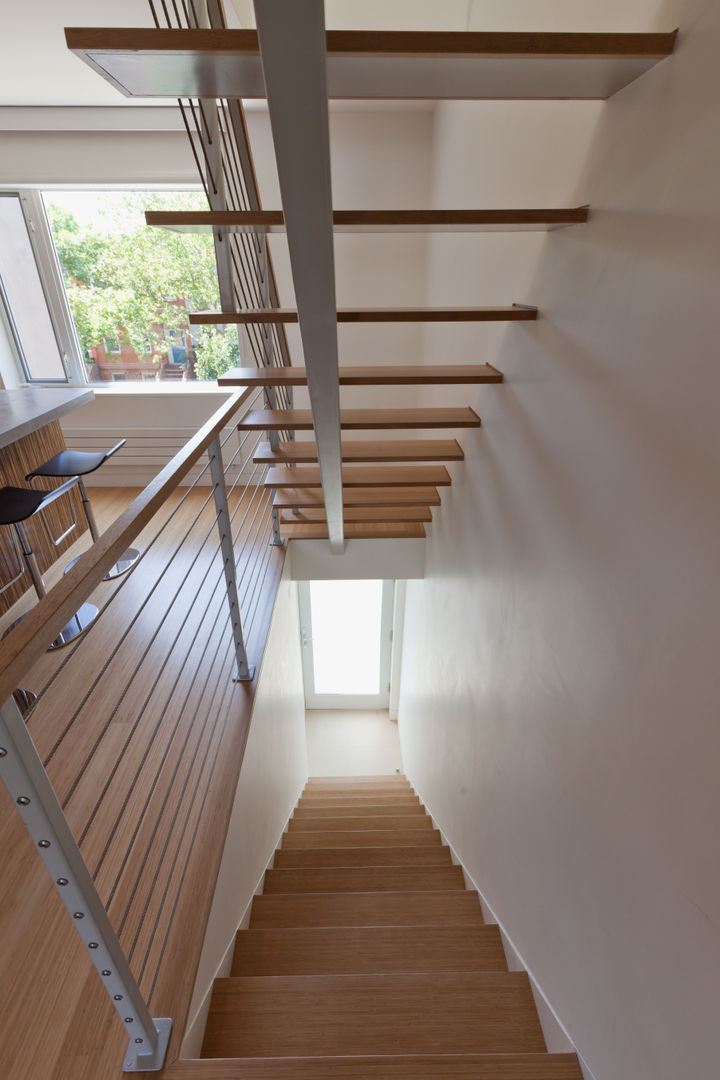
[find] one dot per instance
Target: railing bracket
(238, 677)
(137, 1061)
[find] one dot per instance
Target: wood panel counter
(30, 433)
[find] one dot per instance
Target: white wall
(560, 678)
(273, 774)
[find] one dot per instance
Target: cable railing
(116, 769)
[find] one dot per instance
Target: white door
(346, 630)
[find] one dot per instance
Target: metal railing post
(244, 672)
(22, 772)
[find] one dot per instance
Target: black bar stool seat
(78, 463)
(17, 505)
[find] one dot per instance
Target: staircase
(367, 957)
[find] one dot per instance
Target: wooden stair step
(312, 498)
(361, 822)
(373, 221)
(456, 907)
(362, 950)
(375, 375)
(364, 781)
(353, 514)
(378, 1067)
(286, 859)
(362, 419)
(358, 798)
(324, 838)
(360, 451)
(369, 809)
(308, 476)
(358, 530)
(473, 65)
(458, 1012)
(506, 313)
(365, 879)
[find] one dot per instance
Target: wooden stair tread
(310, 515)
(384, 450)
(368, 950)
(312, 498)
(305, 476)
(361, 419)
(360, 821)
(364, 879)
(273, 221)
(367, 909)
(471, 1012)
(370, 809)
(358, 530)
(323, 838)
(357, 798)
(497, 313)
(375, 375)
(315, 857)
(377, 1067)
(177, 63)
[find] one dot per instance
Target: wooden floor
(145, 763)
(366, 957)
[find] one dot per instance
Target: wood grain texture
(353, 798)
(361, 419)
(354, 514)
(382, 450)
(368, 950)
(491, 1012)
(372, 809)
(459, 908)
(360, 821)
(365, 879)
(376, 375)
(395, 1067)
(358, 530)
(506, 313)
(286, 858)
(306, 476)
(355, 838)
(16, 461)
(312, 498)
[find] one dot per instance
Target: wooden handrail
(28, 641)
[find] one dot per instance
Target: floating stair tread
(378, 375)
(427, 908)
(461, 1012)
(368, 950)
(308, 498)
(497, 313)
(370, 809)
(365, 879)
(375, 64)
(358, 530)
(286, 859)
(361, 419)
(361, 822)
(388, 450)
(308, 476)
(403, 221)
(394, 1067)
(353, 514)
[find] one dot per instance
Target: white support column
(292, 48)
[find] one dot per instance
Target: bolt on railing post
(24, 776)
(227, 551)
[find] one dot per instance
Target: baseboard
(557, 1037)
(192, 1041)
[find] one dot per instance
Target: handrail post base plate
(137, 1061)
(237, 677)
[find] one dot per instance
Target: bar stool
(78, 463)
(16, 506)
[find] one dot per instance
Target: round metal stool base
(81, 620)
(123, 564)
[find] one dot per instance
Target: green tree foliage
(124, 279)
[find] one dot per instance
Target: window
(346, 629)
(91, 293)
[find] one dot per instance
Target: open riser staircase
(366, 956)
